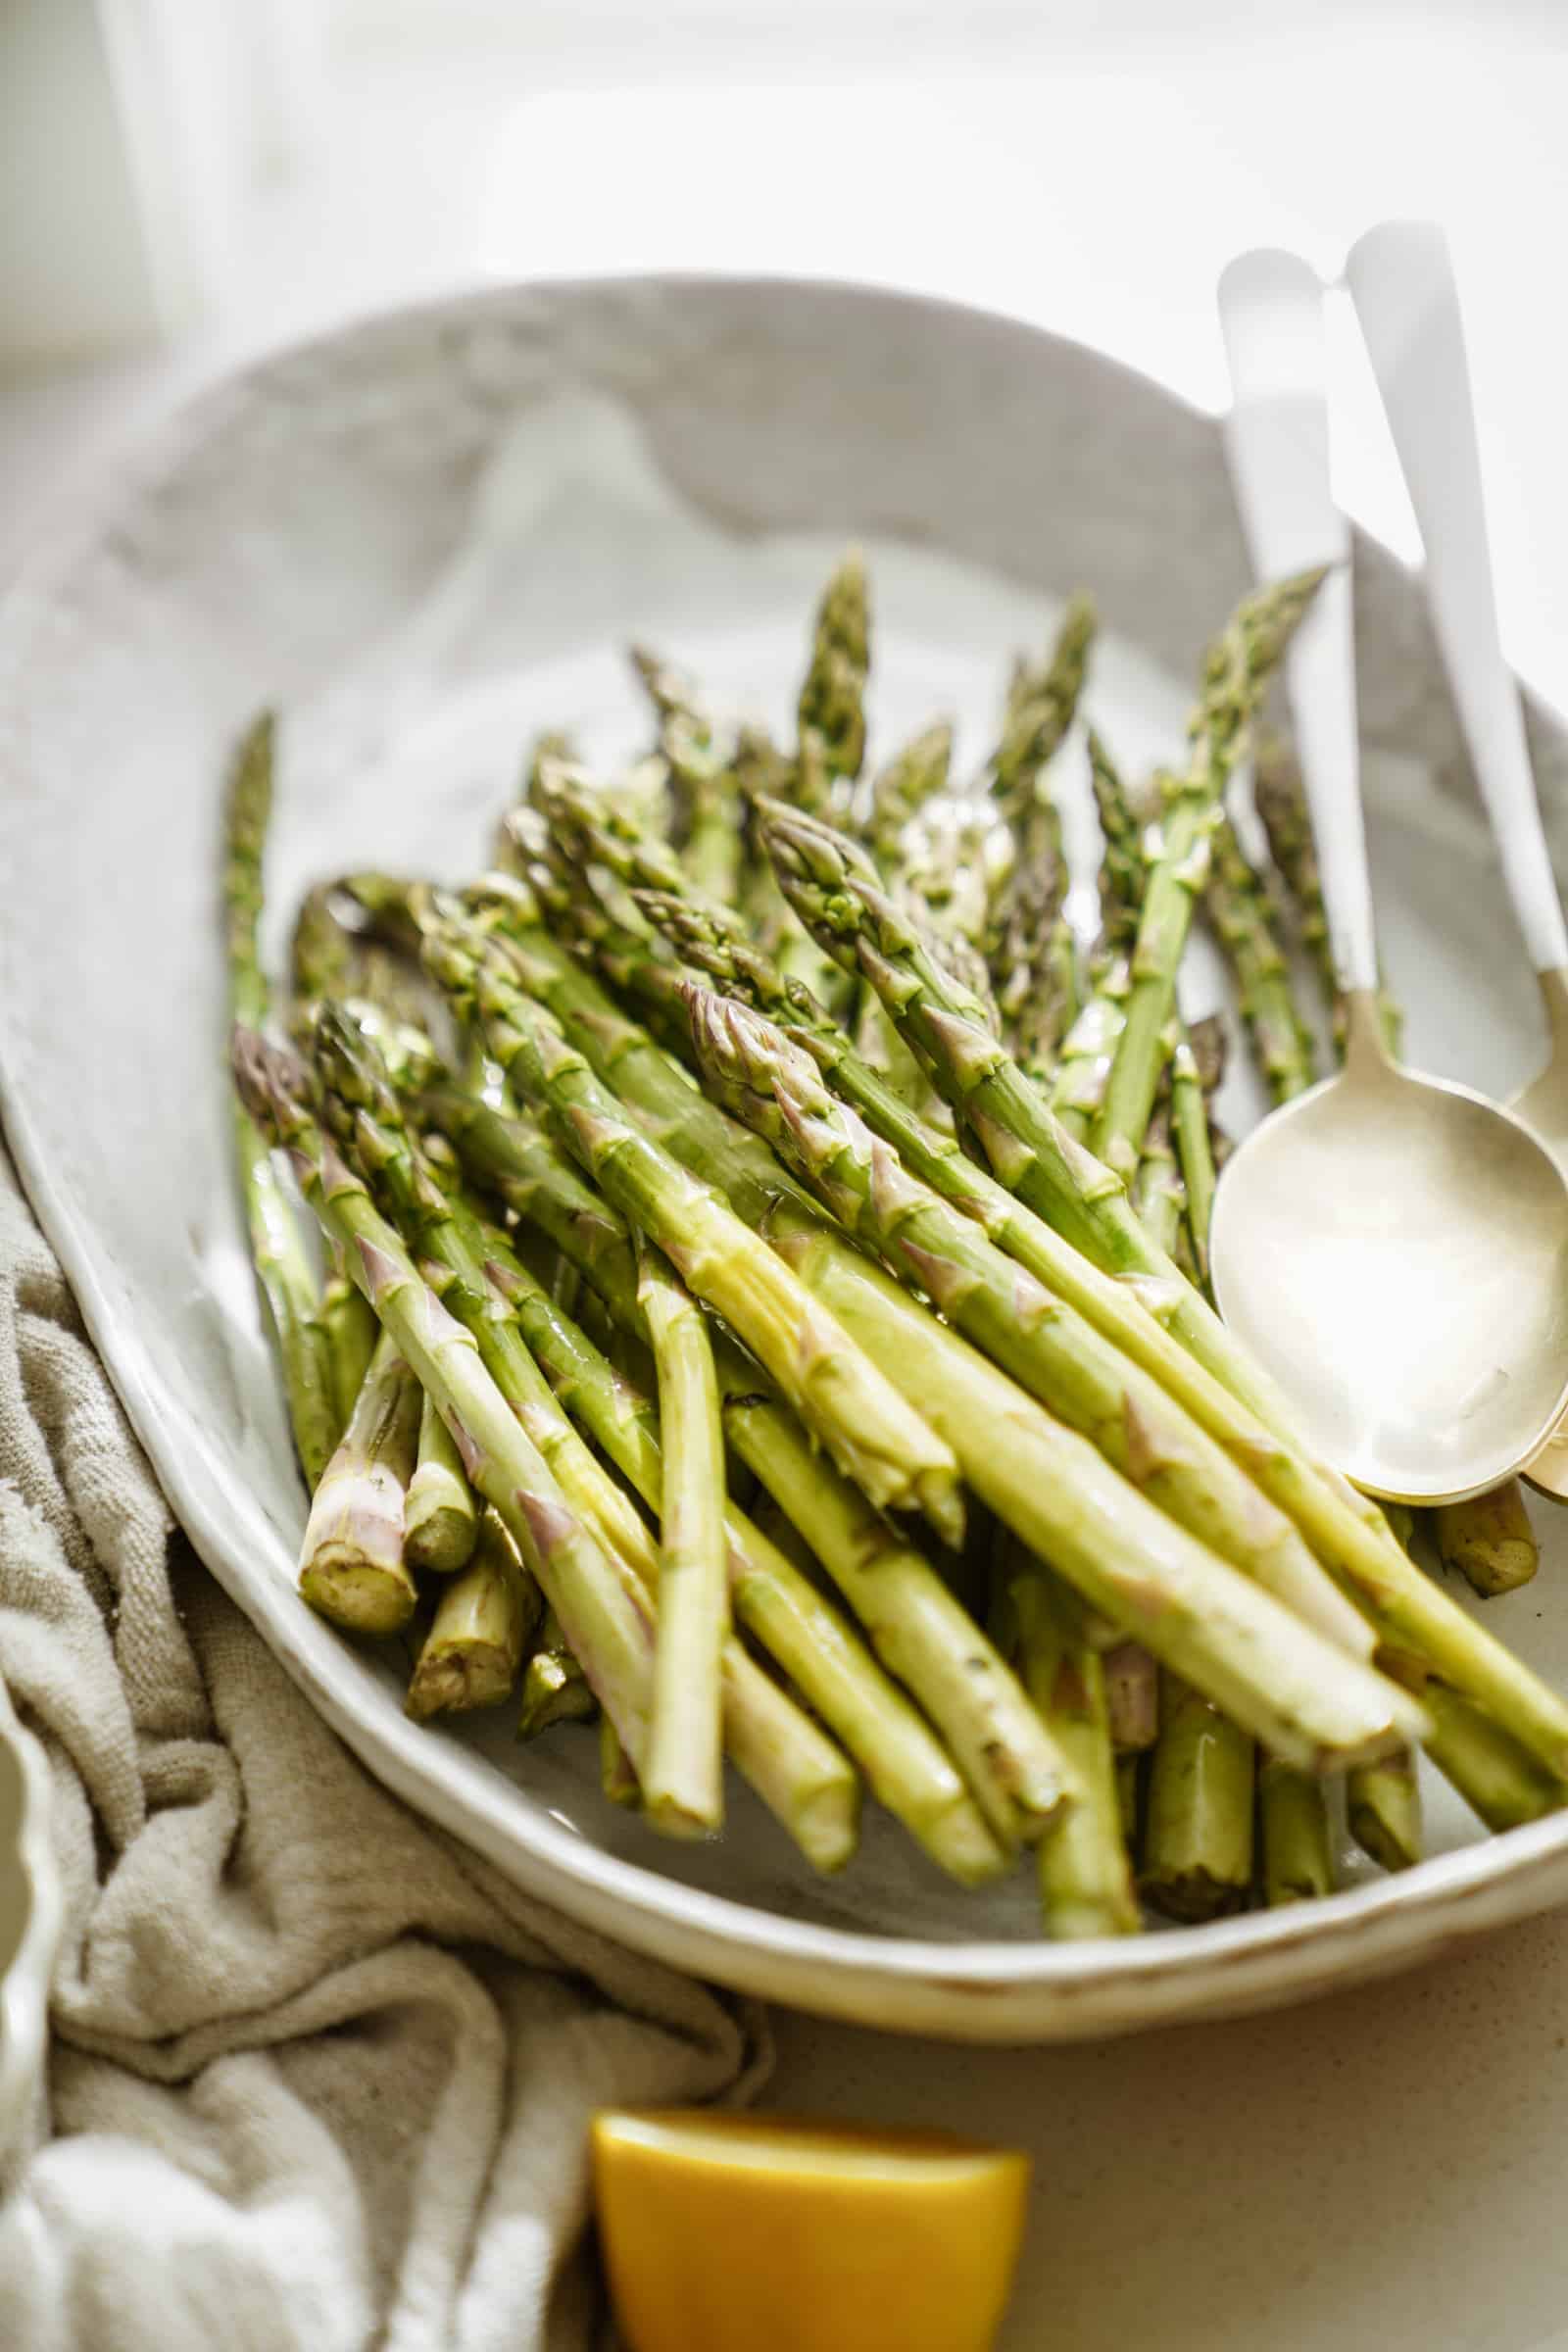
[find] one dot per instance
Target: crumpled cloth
(319, 2077)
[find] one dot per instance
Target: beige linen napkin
(319, 2077)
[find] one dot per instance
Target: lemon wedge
(728, 2233)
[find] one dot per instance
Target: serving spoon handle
(1401, 282)
(1277, 443)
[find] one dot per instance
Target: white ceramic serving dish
(428, 536)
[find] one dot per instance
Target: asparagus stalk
(1198, 1828)
(1051, 1351)
(1132, 1696)
(1497, 1778)
(874, 1436)
(1194, 1153)
(1086, 1882)
(607, 1633)
(683, 1778)
(284, 1274)
(709, 831)
(555, 1689)
(1077, 1084)
(1236, 675)
(1123, 871)
(797, 1773)
(918, 1629)
(441, 1520)
(832, 701)
(1159, 1194)
(1087, 1204)
(617, 1778)
(901, 791)
(1129, 1798)
(1237, 902)
(1029, 946)
(1383, 1808)
(1489, 1540)
(474, 1647)
(352, 1564)
(1293, 1835)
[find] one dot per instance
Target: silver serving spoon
(1395, 1248)
(1401, 282)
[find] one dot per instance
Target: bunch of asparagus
(758, 1307)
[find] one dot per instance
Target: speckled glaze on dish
(428, 535)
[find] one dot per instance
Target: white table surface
(1383, 2169)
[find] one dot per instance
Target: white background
(1386, 2169)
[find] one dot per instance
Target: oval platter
(429, 535)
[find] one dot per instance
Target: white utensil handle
(1401, 282)
(1277, 440)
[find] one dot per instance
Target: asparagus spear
(607, 1633)
(284, 1273)
(683, 1778)
(1194, 1153)
(1123, 871)
(793, 1769)
(1029, 944)
(352, 1564)
(555, 1689)
(441, 1520)
(1497, 1779)
(1086, 1882)
(1198, 1828)
(708, 829)
(1087, 1204)
(779, 1605)
(1383, 1807)
(618, 1777)
(916, 1627)
(1294, 1825)
(1235, 674)
(832, 706)
(1237, 902)
(1048, 1350)
(1129, 1798)
(473, 1648)
(1077, 1084)
(1489, 1540)
(1132, 1696)
(876, 1437)
(1159, 1194)
(901, 790)
(1040, 711)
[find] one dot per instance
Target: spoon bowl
(1395, 1250)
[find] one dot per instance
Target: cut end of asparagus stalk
(362, 1595)
(554, 1692)
(1382, 1811)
